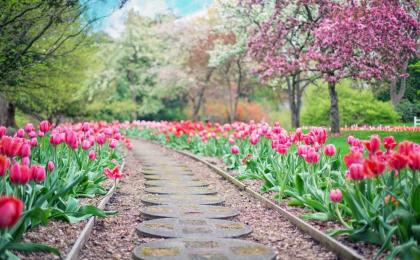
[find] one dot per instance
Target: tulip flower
(20, 133)
(373, 167)
(282, 149)
(336, 195)
(33, 142)
(10, 211)
(38, 173)
(29, 128)
(10, 146)
(114, 173)
(20, 174)
(26, 161)
(373, 144)
(397, 161)
(71, 139)
(100, 139)
(44, 126)
(389, 143)
(353, 157)
(414, 161)
(4, 164)
(112, 144)
(355, 171)
(329, 150)
(234, 149)
(312, 156)
(25, 150)
(3, 131)
(405, 147)
(85, 127)
(50, 166)
(85, 144)
(92, 155)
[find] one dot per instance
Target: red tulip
(234, 149)
(397, 161)
(353, 157)
(405, 147)
(4, 164)
(38, 173)
(20, 174)
(282, 149)
(389, 143)
(10, 211)
(414, 161)
(355, 171)
(114, 173)
(336, 195)
(373, 144)
(373, 167)
(10, 146)
(329, 150)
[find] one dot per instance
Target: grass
(341, 141)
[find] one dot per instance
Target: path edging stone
(87, 230)
(332, 244)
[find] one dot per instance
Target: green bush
(356, 107)
(408, 110)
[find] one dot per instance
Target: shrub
(356, 107)
(408, 110)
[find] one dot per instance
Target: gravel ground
(269, 228)
(365, 249)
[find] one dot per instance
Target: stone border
(87, 230)
(329, 242)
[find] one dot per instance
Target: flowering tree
(357, 39)
(363, 40)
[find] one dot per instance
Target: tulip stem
(340, 217)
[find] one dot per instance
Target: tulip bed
(45, 171)
(373, 190)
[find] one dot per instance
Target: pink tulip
(336, 195)
(329, 150)
(20, 174)
(85, 144)
(38, 173)
(29, 128)
(34, 142)
(44, 126)
(3, 131)
(92, 155)
(312, 156)
(25, 150)
(50, 166)
(355, 171)
(55, 138)
(113, 144)
(85, 127)
(26, 161)
(20, 133)
(100, 139)
(234, 149)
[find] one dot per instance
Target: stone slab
(171, 173)
(203, 248)
(171, 177)
(176, 199)
(193, 228)
(189, 211)
(181, 190)
(166, 183)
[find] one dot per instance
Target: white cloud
(114, 24)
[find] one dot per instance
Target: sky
(114, 23)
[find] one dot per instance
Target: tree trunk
(395, 93)
(238, 88)
(197, 103)
(334, 112)
(7, 113)
(294, 94)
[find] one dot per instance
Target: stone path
(195, 229)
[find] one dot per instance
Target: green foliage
(356, 107)
(408, 110)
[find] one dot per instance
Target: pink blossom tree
(334, 39)
(364, 40)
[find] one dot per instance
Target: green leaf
(299, 184)
(316, 216)
(33, 247)
(415, 200)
